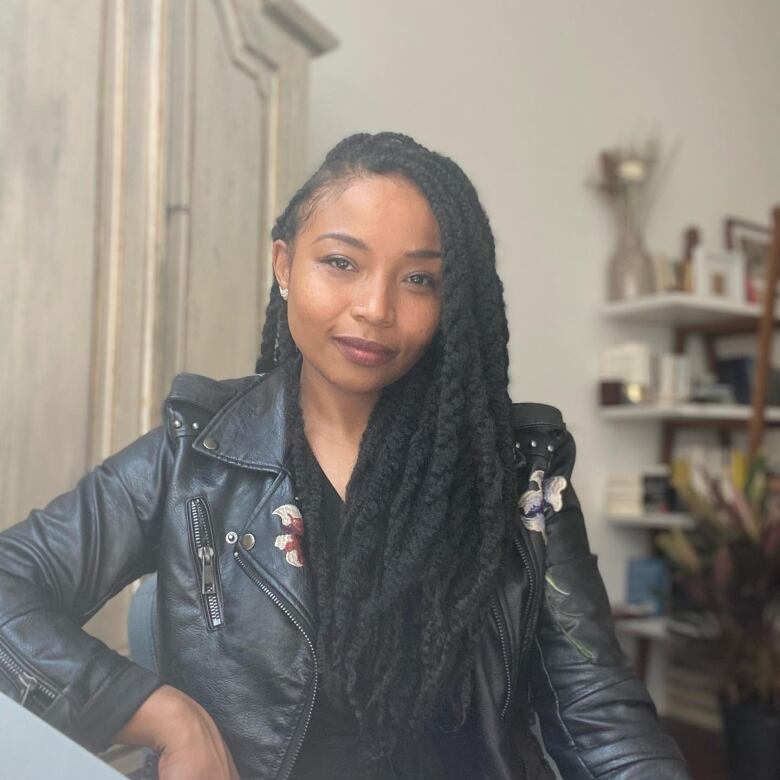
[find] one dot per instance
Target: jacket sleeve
(596, 717)
(57, 568)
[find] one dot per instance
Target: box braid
(433, 493)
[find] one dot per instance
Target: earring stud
(284, 292)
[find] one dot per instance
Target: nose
(374, 301)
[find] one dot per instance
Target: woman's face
(366, 266)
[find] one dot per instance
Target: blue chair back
(142, 624)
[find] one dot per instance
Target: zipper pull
(29, 684)
(208, 582)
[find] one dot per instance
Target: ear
(281, 258)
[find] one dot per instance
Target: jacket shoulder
(539, 432)
(529, 414)
(205, 392)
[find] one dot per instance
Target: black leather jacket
(207, 501)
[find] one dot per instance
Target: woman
(346, 586)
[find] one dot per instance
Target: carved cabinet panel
(145, 148)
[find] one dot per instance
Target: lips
(365, 346)
(362, 352)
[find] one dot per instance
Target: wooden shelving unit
(709, 318)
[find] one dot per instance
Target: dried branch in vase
(630, 178)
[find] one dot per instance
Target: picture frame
(751, 240)
(718, 273)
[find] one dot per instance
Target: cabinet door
(145, 148)
(235, 151)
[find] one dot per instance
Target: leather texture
(207, 501)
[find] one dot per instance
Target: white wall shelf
(679, 309)
(644, 627)
(690, 412)
(653, 520)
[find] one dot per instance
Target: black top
(331, 749)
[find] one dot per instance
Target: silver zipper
(29, 684)
(202, 538)
(531, 597)
(276, 600)
(528, 625)
(208, 581)
(505, 654)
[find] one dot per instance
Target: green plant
(729, 564)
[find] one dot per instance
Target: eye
(422, 280)
(338, 262)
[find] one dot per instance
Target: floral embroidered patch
(543, 497)
(290, 543)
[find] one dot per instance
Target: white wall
(523, 95)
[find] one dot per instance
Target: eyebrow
(358, 244)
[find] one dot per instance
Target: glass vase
(631, 273)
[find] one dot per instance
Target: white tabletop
(32, 750)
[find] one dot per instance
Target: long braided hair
(403, 599)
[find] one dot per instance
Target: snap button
(177, 423)
(210, 443)
(533, 443)
(195, 426)
(550, 448)
(231, 537)
(248, 541)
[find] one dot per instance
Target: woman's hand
(183, 733)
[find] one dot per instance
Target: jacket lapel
(250, 432)
(273, 541)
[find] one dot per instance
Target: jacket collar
(250, 429)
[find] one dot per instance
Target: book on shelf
(672, 375)
(691, 683)
(739, 372)
(640, 492)
(693, 623)
(633, 372)
(649, 583)
(629, 362)
(694, 464)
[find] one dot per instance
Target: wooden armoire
(146, 147)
